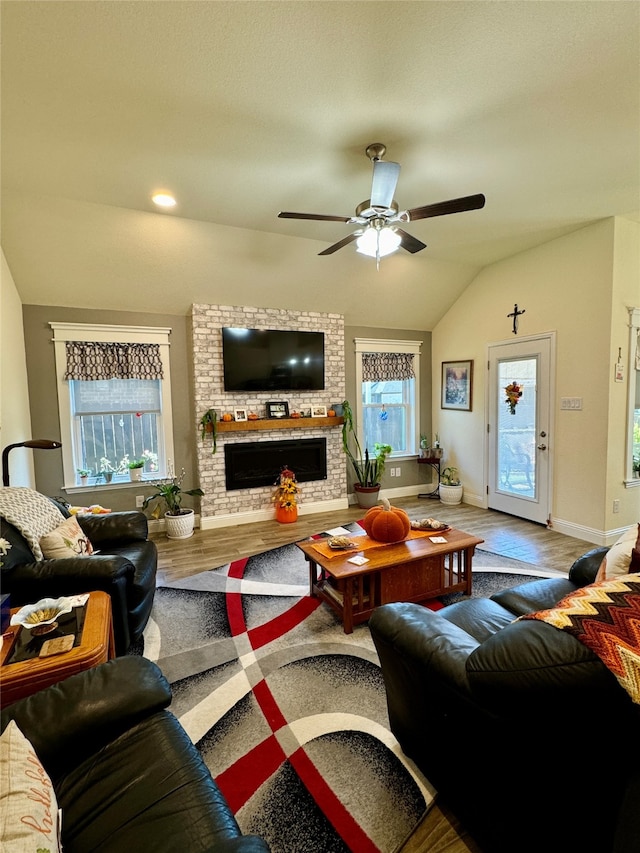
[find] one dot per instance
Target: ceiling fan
(380, 216)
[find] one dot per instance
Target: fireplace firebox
(258, 463)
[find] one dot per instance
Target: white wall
(15, 419)
(565, 285)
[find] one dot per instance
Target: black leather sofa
(525, 733)
(125, 774)
(125, 568)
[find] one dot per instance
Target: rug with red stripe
(288, 711)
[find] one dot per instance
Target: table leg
(313, 576)
(347, 606)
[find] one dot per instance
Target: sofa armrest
(114, 527)
(585, 568)
(71, 720)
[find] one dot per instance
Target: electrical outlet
(392, 472)
(139, 501)
(616, 506)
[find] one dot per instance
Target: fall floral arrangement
(513, 392)
(287, 490)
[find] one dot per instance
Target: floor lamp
(36, 443)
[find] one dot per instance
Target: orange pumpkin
(387, 523)
(252, 416)
(227, 417)
(331, 413)
(294, 415)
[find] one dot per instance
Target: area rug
(288, 711)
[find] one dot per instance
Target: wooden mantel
(278, 423)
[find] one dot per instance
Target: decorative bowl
(41, 617)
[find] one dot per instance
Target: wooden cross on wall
(515, 314)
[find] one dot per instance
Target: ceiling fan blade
(344, 242)
(442, 208)
(285, 214)
(385, 180)
(409, 242)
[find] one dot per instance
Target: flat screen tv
(272, 360)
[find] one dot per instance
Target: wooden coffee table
(414, 570)
(96, 646)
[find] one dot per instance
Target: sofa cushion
(67, 540)
(533, 595)
(29, 818)
(31, 513)
(623, 557)
(148, 783)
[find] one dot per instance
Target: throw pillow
(623, 557)
(67, 540)
(29, 816)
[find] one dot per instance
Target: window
(108, 422)
(387, 410)
(632, 474)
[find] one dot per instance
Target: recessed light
(163, 200)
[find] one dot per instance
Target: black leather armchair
(524, 732)
(125, 568)
(125, 773)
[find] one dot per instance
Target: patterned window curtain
(387, 366)
(90, 360)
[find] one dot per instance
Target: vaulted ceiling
(243, 109)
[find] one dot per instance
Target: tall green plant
(367, 469)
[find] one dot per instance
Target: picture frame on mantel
(278, 409)
(457, 385)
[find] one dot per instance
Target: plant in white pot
(450, 490)
(178, 521)
(368, 469)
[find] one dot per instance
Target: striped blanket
(605, 616)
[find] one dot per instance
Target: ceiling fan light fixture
(377, 243)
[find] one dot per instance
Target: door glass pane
(516, 450)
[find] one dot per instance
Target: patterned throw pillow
(29, 815)
(623, 557)
(67, 540)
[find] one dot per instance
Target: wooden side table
(434, 463)
(96, 646)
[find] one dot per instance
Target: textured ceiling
(242, 109)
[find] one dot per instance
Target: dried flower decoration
(513, 392)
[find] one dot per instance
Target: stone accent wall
(209, 393)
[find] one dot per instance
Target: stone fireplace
(222, 506)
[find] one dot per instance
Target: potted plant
(436, 449)
(208, 427)
(450, 486)
(285, 497)
(84, 474)
(368, 469)
(135, 467)
(178, 521)
(107, 470)
(424, 446)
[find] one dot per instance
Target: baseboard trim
(213, 522)
(589, 534)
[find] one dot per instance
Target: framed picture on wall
(457, 385)
(278, 409)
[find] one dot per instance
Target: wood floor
(439, 831)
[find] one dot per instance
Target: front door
(520, 379)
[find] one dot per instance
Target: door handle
(542, 447)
